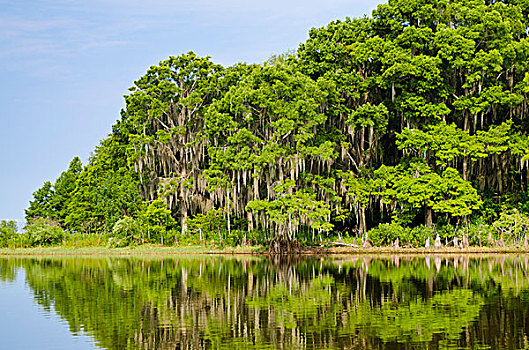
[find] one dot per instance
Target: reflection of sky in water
(362, 302)
(25, 325)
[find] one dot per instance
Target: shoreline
(254, 250)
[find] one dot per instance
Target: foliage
(419, 234)
(387, 234)
(127, 229)
(78, 239)
(289, 209)
(44, 232)
(416, 115)
(41, 206)
(209, 225)
(52, 200)
(8, 228)
(414, 186)
(102, 196)
(478, 234)
(511, 226)
(158, 221)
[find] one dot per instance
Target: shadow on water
(194, 302)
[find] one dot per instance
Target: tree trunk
(228, 211)
(249, 216)
(465, 167)
(428, 221)
(184, 220)
(361, 221)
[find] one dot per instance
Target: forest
(400, 128)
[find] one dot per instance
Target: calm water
(200, 302)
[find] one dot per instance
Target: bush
(77, 239)
(19, 241)
(512, 226)
(446, 232)
(386, 234)
(44, 232)
(170, 237)
(128, 230)
(116, 242)
(418, 235)
(8, 229)
(478, 233)
(209, 225)
(234, 238)
(190, 239)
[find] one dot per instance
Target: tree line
(412, 120)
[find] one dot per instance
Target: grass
(134, 250)
(250, 250)
(424, 251)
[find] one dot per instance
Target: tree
(8, 228)
(416, 186)
(44, 232)
(63, 189)
(287, 211)
(157, 220)
(208, 224)
(42, 205)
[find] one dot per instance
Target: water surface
(198, 302)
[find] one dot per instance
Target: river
(216, 302)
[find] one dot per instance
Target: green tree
(41, 205)
(157, 220)
(416, 186)
(64, 187)
(211, 223)
(287, 210)
(128, 230)
(8, 228)
(44, 232)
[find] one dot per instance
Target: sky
(65, 66)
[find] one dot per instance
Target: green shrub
(190, 239)
(477, 233)
(44, 232)
(209, 225)
(512, 226)
(170, 237)
(447, 232)
(78, 239)
(8, 228)
(19, 241)
(158, 222)
(116, 242)
(418, 235)
(128, 230)
(234, 238)
(386, 234)
(255, 237)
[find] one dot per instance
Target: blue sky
(66, 64)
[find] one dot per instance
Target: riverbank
(134, 250)
(253, 250)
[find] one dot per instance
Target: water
(195, 302)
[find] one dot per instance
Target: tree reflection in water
(240, 302)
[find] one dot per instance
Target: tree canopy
(416, 114)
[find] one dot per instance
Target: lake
(196, 302)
